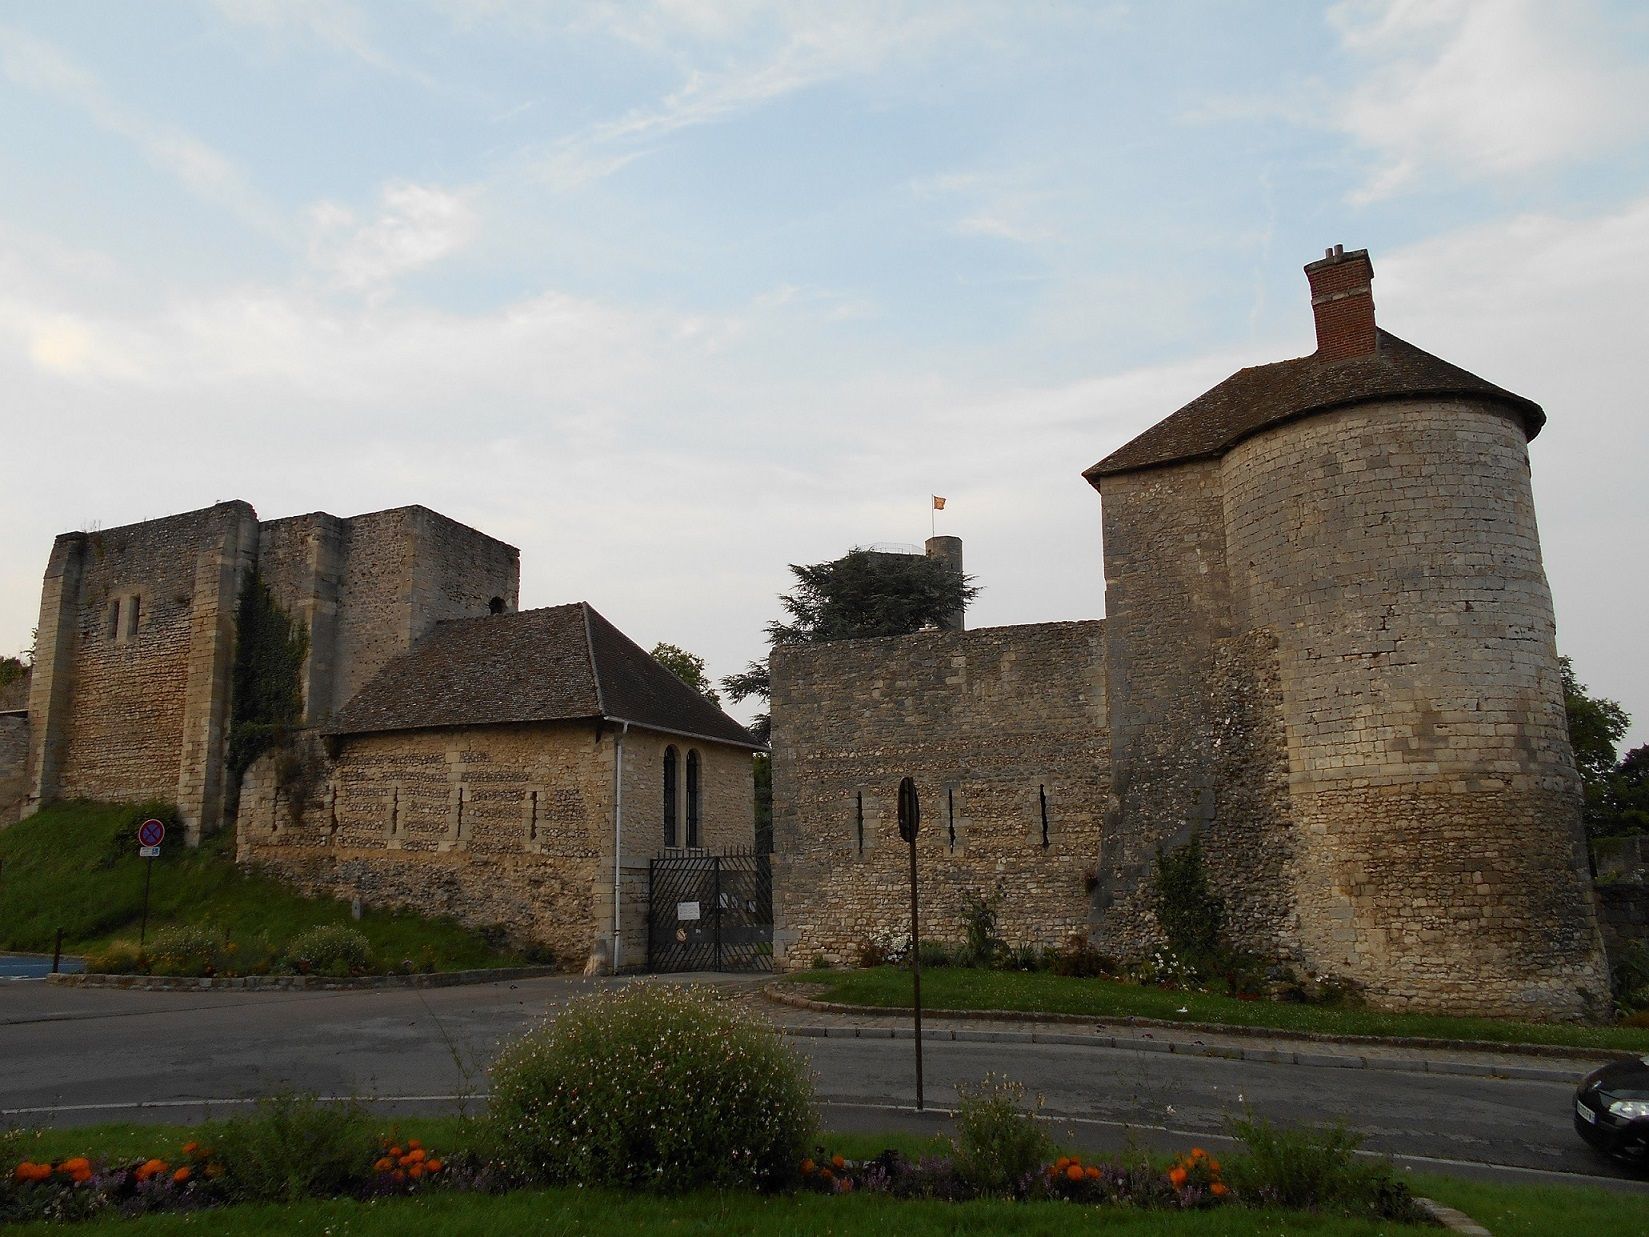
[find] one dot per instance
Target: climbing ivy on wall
(1192, 915)
(270, 649)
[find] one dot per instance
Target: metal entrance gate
(709, 912)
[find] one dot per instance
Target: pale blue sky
(671, 294)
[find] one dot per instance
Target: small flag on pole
(938, 503)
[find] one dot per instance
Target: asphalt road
(73, 1057)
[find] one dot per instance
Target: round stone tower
(1379, 530)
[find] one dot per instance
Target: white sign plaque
(687, 910)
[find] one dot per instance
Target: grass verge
(1039, 991)
(75, 866)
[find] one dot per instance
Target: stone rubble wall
(507, 827)
(14, 767)
(133, 713)
(987, 722)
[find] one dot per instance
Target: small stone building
(494, 770)
(1328, 650)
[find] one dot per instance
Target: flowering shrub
(188, 951)
(404, 1165)
(330, 949)
(1165, 968)
(655, 1087)
(999, 1144)
(884, 949)
(118, 958)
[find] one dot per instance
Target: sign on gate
(710, 912)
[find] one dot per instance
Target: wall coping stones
(301, 983)
(775, 992)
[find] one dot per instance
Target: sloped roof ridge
(1258, 397)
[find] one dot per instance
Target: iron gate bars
(709, 912)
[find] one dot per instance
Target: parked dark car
(1612, 1108)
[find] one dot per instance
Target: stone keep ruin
(1328, 652)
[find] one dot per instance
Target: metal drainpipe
(618, 834)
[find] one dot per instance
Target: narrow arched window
(692, 798)
(670, 796)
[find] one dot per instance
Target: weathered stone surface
(506, 826)
(991, 724)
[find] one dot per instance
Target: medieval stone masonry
(1328, 651)
(453, 755)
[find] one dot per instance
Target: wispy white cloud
(762, 54)
(34, 64)
(1480, 88)
(333, 24)
(416, 225)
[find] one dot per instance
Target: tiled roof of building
(1261, 396)
(563, 663)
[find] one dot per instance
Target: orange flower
(1092, 1172)
(414, 1145)
(1177, 1176)
(81, 1176)
(827, 1175)
(79, 1164)
(1062, 1163)
(807, 1167)
(1219, 1189)
(1074, 1172)
(383, 1165)
(183, 1174)
(838, 1161)
(190, 1148)
(396, 1152)
(416, 1171)
(28, 1170)
(432, 1166)
(1213, 1166)
(1197, 1153)
(416, 1155)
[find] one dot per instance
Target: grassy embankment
(1032, 991)
(75, 866)
(1507, 1210)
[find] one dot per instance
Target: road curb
(1270, 1055)
(301, 983)
(1449, 1218)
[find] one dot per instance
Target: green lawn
(1507, 1210)
(75, 866)
(966, 988)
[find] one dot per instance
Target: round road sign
(150, 832)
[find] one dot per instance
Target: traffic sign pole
(149, 836)
(910, 819)
(143, 928)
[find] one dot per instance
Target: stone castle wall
(1392, 548)
(130, 689)
(503, 826)
(992, 724)
(14, 766)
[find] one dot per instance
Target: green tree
(1595, 726)
(1629, 793)
(860, 595)
(688, 667)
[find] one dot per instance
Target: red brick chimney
(1342, 301)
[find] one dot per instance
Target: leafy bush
(1191, 914)
(1629, 978)
(187, 951)
(330, 949)
(1025, 958)
(118, 958)
(999, 1145)
(293, 1147)
(883, 949)
(984, 946)
(652, 1087)
(1078, 959)
(937, 953)
(1316, 1169)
